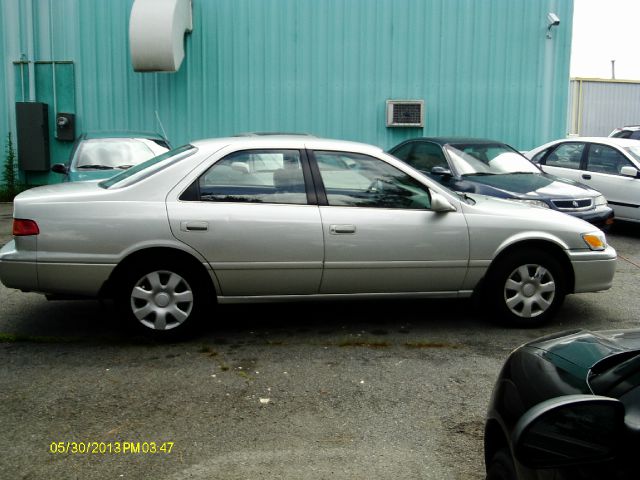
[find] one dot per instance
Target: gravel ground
(340, 390)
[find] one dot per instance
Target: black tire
(501, 467)
(525, 288)
(165, 299)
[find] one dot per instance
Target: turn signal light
(596, 241)
(23, 227)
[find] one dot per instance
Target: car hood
(584, 349)
(526, 185)
(524, 216)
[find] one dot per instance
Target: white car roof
(613, 141)
(619, 142)
(286, 141)
(628, 127)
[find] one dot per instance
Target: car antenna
(164, 134)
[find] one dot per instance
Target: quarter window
(255, 176)
(354, 180)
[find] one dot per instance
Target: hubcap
(162, 300)
(529, 290)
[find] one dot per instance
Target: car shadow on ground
(626, 229)
(91, 320)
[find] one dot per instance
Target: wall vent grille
(405, 113)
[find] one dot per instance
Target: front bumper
(601, 217)
(594, 271)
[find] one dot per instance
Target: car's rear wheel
(501, 467)
(165, 299)
(526, 288)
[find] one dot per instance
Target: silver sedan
(282, 218)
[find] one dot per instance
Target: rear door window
(566, 155)
(255, 176)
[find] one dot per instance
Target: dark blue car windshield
(487, 159)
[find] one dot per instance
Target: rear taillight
(23, 227)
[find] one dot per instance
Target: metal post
(613, 69)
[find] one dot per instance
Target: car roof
(454, 140)
(121, 134)
(614, 141)
(267, 134)
(629, 127)
(294, 141)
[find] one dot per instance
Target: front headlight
(595, 240)
(535, 203)
(600, 201)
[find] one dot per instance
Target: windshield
(634, 152)
(151, 166)
(615, 375)
(488, 159)
(111, 153)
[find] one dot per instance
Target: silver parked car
(609, 165)
(274, 218)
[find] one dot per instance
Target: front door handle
(586, 176)
(194, 226)
(342, 229)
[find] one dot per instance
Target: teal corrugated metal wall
(484, 67)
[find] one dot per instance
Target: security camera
(553, 19)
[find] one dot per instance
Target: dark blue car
(492, 168)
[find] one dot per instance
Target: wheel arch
(545, 245)
(151, 254)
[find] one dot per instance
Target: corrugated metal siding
(599, 106)
(5, 77)
(484, 68)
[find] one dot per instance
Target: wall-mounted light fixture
(552, 21)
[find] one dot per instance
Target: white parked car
(609, 165)
(629, 131)
(281, 218)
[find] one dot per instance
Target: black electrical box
(32, 119)
(66, 127)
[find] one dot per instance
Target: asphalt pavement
(337, 390)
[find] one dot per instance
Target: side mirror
(441, 204)
(569, 430)
(60, 168)
(629, 171)
(445, 172)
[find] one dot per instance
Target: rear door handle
(342, 229)
(194, 226)
(586, 176)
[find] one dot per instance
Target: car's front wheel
(526, 288)
(164, 299)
